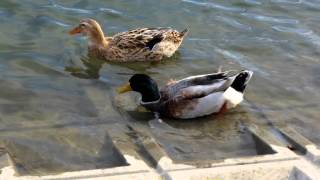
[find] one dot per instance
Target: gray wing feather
(200, 80)
(204, 90)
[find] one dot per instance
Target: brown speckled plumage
(143, 44)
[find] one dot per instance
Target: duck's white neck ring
(151, 102)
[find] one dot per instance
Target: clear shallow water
(59, 109)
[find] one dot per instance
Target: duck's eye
(82, 25)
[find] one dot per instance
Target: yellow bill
(124, 88)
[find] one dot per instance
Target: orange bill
(74, 31)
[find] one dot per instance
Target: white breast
(206, 105)
(233, 97)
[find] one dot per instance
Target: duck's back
(146, 43)
(138, 37)
(195, 96)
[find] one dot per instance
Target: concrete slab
(264, 171)
(136, 170)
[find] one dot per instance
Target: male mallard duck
(194, 96)
(143, 44)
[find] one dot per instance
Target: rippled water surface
(59, 111)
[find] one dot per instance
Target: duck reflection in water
(92, 66)
(91, 69)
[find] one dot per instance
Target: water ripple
(270, 19)
(253, 2)
(240, 59)
(4, 15)
(315, 5)
(233, 22)
(84, 11)
(112, 11)
(307, 3)
(75, 10)
(306, 33)
(292, 30)
(199, 39)
(48, 19)
(59, 23)
(287, 1)
(214, 6)
(264, 39)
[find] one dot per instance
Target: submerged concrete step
(277, 162)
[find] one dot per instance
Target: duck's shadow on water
(90, 70)
(214, 120)
(91, 66)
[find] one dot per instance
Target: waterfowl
(191, 97)
(142, 44)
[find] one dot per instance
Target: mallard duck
(192, 97)
(142, 44)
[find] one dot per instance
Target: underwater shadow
(92, 66)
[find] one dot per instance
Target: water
(59, 110)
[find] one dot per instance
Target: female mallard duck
(143, 44)
(193, 96)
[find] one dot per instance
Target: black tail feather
(241, 80)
